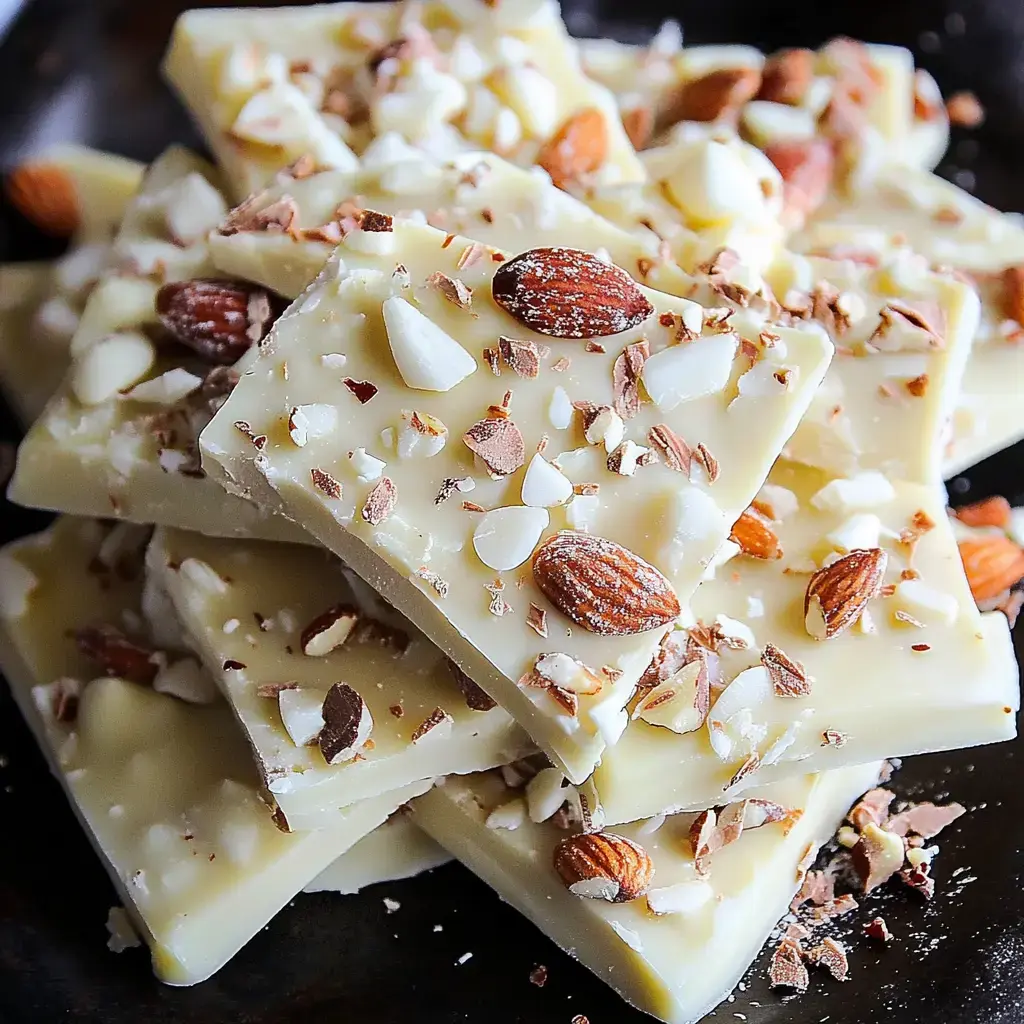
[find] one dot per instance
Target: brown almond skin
(605, 855)
(755, 536)
(45, 194)
(1013, 293)
(569, 293)
(602, 586)
(711, 96)
(786, 76)
(806, 167)
(116, 654)
(993, 563)
(578, 148)
(844, 588)
(211, 317)
(994, 511)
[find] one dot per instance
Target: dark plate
(86, 70)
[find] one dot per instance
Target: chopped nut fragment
(499, 445)
(678, 455)
(326, 483)
(362, 389)
(787, 968)
(831, 955)
(537, 620)
(878, 929)
(439, 585)
(380, 502)
(476, 699)
(965, 110)
(788, 677)
(626, 373)
(454, 290)
(703, 457)
(918, 386)
(437, 719)
(522, 357)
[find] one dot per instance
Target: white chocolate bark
(95, 452)
(475, 194)
(674, 966)
(246, 603)
(872, 692)
(392, 851)
(673, 522)
(164, 789)
(270, 86)
(952, 229)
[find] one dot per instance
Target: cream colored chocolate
(392, 851)
(475, 194)
(165, 789)
(24, 287)
(270, 86)
(872, 695)
(251, 605)
(676, 966)
(428, 545)
(96, 451)
(951, 229)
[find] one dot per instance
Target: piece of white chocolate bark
(395, 850)
(271, 86)
(948, 228)
(164, 788)
(118, 437)
(278, 626)
(679, 948)
(281, 237)
(416, 470)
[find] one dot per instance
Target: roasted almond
(638, 123)
(786, 76)
(711, 96)
(578, 148)
(1013, 293)
(347, 724)
(476, 699)
(837, 594)
(220, 320)
(329, 630)
(116, 654)
(45, 194)
(602, 865)
(993, 563)
(755, 536)
(994, 511)
(806, 167)
(569, 293)
(788, 677)
(603, 586)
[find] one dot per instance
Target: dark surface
(86, 69)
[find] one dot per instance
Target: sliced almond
(993, 563)
(755, 536)
(46, 195)
(712, 96)
(789, 678)
(347, 724)
(994, 511)
(837, 594)
(329, 630)
(380, 502)
(577, 149)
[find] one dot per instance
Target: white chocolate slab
(475, 194)
(676, 967)
(287, 588)
(503, 80)
(342, 313)
(949, 228)
(106, 458)
(165, 790)
(392, 851)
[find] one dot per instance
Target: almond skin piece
(604, 855)
(994, 511)
(45, 194)
(213, 318)
(755, 536)
(578, 148)
(568, 293)
(709, 97)
(1013, 293)
(806, 166)
(116, 654)
(837, 594)
(993, 563)
(786, 76)
(602, 586)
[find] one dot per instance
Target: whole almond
(994, 511)
(755, 536)
(46, 195)
(806, 167)
(786, 76)
(993, 563)
(569, 293)
(218, 319)
(603, 586)
(711, 96)
(622, 865)
(578, 148)
(1013, 293)
(116, 654)
(837, 594)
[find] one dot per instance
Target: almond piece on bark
(116, 654)
(603, 586)
(45, 194)
(994, 511)
(993, 563)
(602, 865)
(755, 536)
(806, 166)
(1013, 293)
(712, 95)
(578, 148)
(788, 677)
(329, 630)
(569, 293)
(347, 724)
(837, 594)
(786, 76)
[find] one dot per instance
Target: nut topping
(521, 357)
(46, 195)
(116, 654)
(380, 502)
(568, 293)
(788, 677)
(755, 536)
(993, 563)
(498, 444)
(602, 865)
(329, 630)
(347, 724)
(626, 378)
(837, 594)
(603, 586)
(712, 95)
(476, 699)
(220, 320)
(786, 76)
(578, 148)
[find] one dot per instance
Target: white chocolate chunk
(685, 372)
(504, 538)
(713, 182)
(926, 604)
(865, 491)
(170, 387)
(861, 530)
(427, 357)
(681, 898)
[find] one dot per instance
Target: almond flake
(537, 620)
(831, 955)
(437, 718)
(492, 357)
(561, 365)
(787, 967)
(787, 676)
(347, 724)
(626, 378)
(452, 289)
(435, 582)
(522, 357)
(678, 455)
(595, 347)
(298, 427)
(329, 630)
(498, 606)
(476, 699)
(704, 458)
(362, 389)
(471, 254)
(380, 502)
(326, 483)
(745, 770)
(259, 441)
(834, 738)
(498, 444)
(449, 485)
(918, 386)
